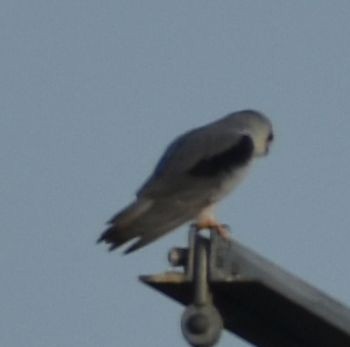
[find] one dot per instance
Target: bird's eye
(270, 137)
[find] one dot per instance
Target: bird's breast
(229, 182)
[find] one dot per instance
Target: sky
(91, 92)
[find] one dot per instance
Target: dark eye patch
(270, 137)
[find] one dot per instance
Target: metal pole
(200, 272)
(201, 323)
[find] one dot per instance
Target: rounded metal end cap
(201, 325)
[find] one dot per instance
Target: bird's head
(262, 134)
(258, 127)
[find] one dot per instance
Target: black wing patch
(237, 155)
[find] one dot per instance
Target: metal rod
(200, 272)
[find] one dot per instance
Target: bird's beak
(268, 145)
(267, 149)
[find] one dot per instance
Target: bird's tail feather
(145, 221)
(156, 232)
(131, 212)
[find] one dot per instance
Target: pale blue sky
(90, 94)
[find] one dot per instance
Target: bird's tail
(145, 220)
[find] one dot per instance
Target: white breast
(229, 183)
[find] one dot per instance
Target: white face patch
(262, 139)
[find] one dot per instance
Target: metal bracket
(225, 284)
(201, 323)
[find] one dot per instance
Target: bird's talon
(227, 227)
(223, 230)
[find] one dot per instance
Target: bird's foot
(221, 229)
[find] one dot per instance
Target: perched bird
(196, 171)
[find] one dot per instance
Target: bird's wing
(183, 183)
(196, 159)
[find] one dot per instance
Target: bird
(197, 170)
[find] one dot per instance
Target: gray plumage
(196, 171)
